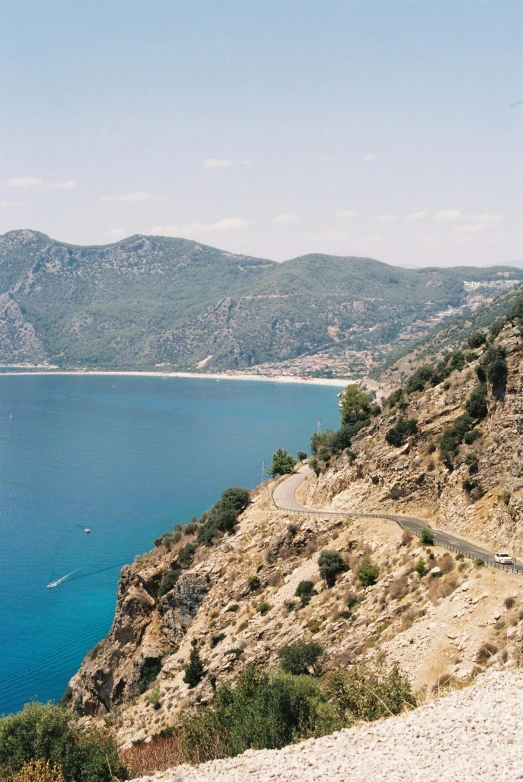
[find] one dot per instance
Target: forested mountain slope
(151, 301)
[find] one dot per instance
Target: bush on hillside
(476, 404)
(426, 537)
(368, 693)
(50, 733)
(476, 340)
(331, 564)
(39, 771)
(169, 579)
(195, 669)
(300, 657)
(265, 710)
(283, 463)
(452, 438)
(399, 433)
(368, 572)
(223, 516)
(497, 370)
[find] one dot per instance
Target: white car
(503, 559)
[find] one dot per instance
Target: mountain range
(151, 302)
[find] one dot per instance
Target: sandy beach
(337, 382)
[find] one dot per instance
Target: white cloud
(487, 218)
(31, 182)
(447, 215)
(117, 233)
(166, 230)
(478, 223)
(345, 214)
(285, 219)
(370, 157)
(416, 215)
(137, 197)
(229, 224)
(12, 204)
(385, 218)
(214, 162)
(244, 162)
(329, 236)
(66, 184)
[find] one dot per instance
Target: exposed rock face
(435, 620)
(412, 479)
(144, 630)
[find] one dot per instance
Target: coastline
(319, 381)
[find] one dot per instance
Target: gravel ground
(473, 734)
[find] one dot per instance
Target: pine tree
(194, 670)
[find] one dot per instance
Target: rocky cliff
(443, 620)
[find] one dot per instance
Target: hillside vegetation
(254, 627)
(154, 302)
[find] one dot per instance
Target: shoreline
(318, 381)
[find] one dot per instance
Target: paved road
(284, 497)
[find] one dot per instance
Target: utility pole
(264, 477)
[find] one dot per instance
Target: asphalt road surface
(284, 497)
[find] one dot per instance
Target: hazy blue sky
(268, 127)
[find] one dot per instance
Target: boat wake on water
(53, 584)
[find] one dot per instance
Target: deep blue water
(129, 458)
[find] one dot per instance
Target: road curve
(284, 497)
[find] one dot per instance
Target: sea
(127, 458)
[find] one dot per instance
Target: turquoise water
(129, 458)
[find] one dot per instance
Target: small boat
(87, 529)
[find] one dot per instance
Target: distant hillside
(150, 301)
(447, 337)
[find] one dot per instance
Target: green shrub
(399, 433)
(368, 572)
(253, 583)
(299, 657)
(194, 669)
(282, 463)
(149, 671)
(264, 607)
(476, 340)
(452, 438)
(168, 582)
(478, 562)
(223, 516)
(304, 588)
(368, 693)
(186, 555)
(496, 328)
(216, 639)
(301, 455)
(419, 379)
(420, 567)
(50, 733)
(472, 436)
(496, 369)
(476, 404)
(264, 710)
(426, 537)
(154, 698)
(331, 564)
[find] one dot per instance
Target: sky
(274, 128)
